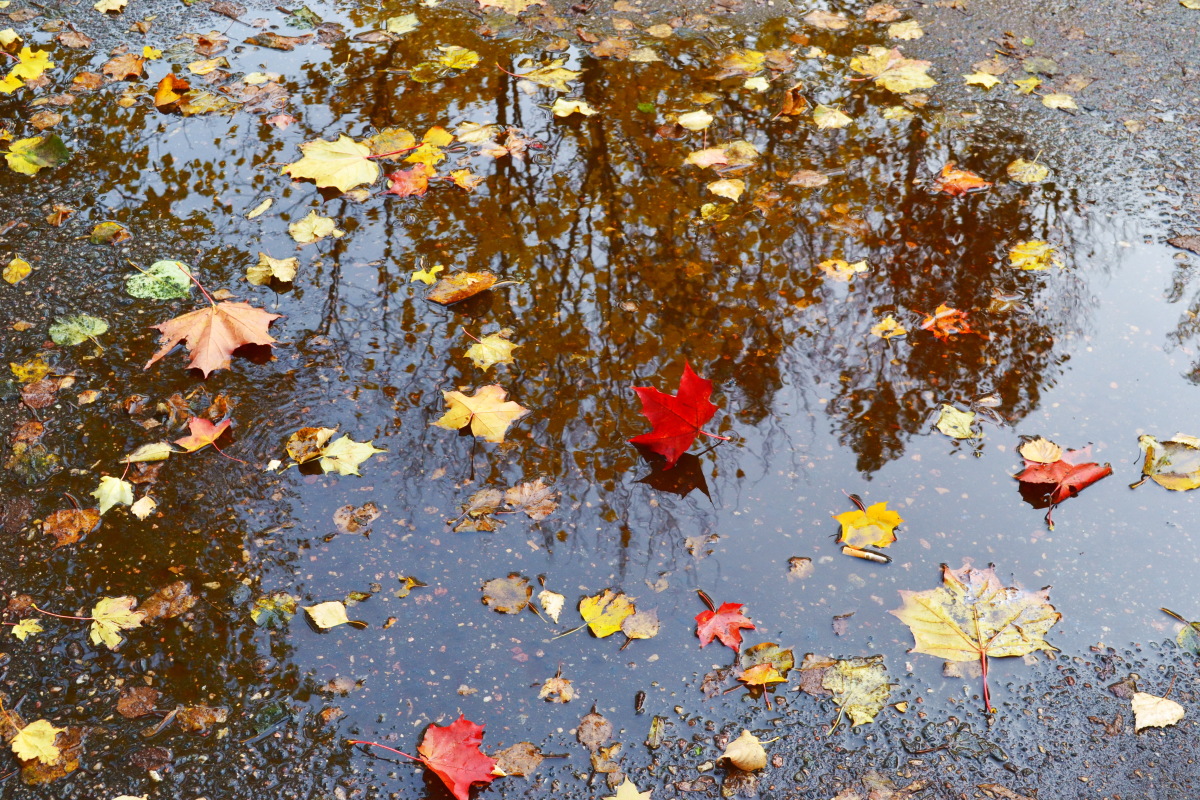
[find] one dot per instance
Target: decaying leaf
(764, 665)
(110, 616)
(888, 328)
(170, 601)
(1172, 463)
(945, 322)
(859, 687)
(488, 413)
(956, 182)
(162, 280)
(273, 610)
(77, 329)
(640, 625)
(605, 612)
(1152, 711)
(557, 690)
(535, 498)
(873, 527)
(349, 519)
(198, 719)
(520, 760)
(70, 525)
(972, 617)
(1023, 171)
(891, 70)
(841, 270)
(507, 595)
(1034, 255)
(957, 424)
(551, 603)
(137, 701)
(211, 334)
(459, 286)
(746, 752)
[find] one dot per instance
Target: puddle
(626, 264)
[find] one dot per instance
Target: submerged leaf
(1172, 463)
(859, 686)
(1034, 255)
(891, 70)
(507, 595)
(77, 329)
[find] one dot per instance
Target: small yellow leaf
(327, 615)
(695, 120)
(32, 370)
(731, 188)
(26, 628)
(1059, 100)
(888, 328)
(113, 491)
(207, 65)
(313, 228)
(875, 527)
(1023, 171)
(1027, 85)
(17, 270)
(426, 276)
(564, 108)
(909, 29)
(628, 791)
(112, 615)
(841, 270)
(282, 269)
(746, 752)
(1034, 255)
(487, 412)
(828, 117)
(144, 507)
(158, 451)
(150, 53)
(981, 79)
(36, 742)
(1040, 450)
(107, 6)
(605, 612)
(345, 455)
(491, 349)
(957, 424)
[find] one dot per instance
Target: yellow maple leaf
(487, 412)
(888, 328)
(875, 527)
(455, 57)
(26, 628)
(605, 612)
(891, 70)
(430, 151)
(1034, 255)
(314, 228)
(36, 742)
(628, 791)
(340, 165)
(828, 117)
(112, 615)
(1027, 85)
(32, 64)
(345, 455)
(981, 79)
(957, 424)
(10, 83)
(552, 76)
(492, 349)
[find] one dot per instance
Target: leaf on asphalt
(1034, 255)
(170, 601)
(36, 742)
(26, 628)
(110, 616)
(628, 791)
(507, 595)
(593, 730)
(957, 424)
(199, 719)
(875, 527)
(605, 612)
(859, 687)
(557, 690)
(212, 333)
(487, 412)
(143, 507)
(520, 760)
(1172, 463)
(73, 330)
(983, 79)
(1063, 102)
(137, 701)
(746, 752)
(203, 433)
(907, 30)
(163, 280)
(17, 270)
(1152, 711)
(113, 491)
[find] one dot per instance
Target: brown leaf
(70, 750)
(151, 758)
(593, 731)
(137, 701)
(277, 41)
(74, 39)
(70, 525)
(227, 9)
(198, 719)
(460, 286)
(41, 393)
(349, 519)
(507, 595)
(127, 67)
(520, 760)
(1191, 243)
(535, 498)
(213, 333)
(168, 602)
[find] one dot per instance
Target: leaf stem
(60, 616)
(385, 747)
(395, 153)
(707, 600)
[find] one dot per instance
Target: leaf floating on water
(1063, 477)
(520, 760)
(267, 268)
(163, 280)
(70, 525)
(957, 182)
(535, 498)
(314, 228)
(604, 613)
(677, 419)
(551, 603)
(726, 624)
(981, 79)
(113, 491)
(945, 322)
(1172, 463)
(1023, 171)
(957, 424)
(826, 117)
(888, 328)
(28, 156)
(507, 595)
(827, 21)
(860, 688)
(891, 70)
(874, 527)
(459, 286)
(452, 753)
(1152, 711)
(1034, 255)
(211, 334)
(77, 329)
(328, 615)
(488, 413)
(495, 348)
(345, 456)
(110, 616)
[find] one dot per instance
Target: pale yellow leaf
(1152, 711)
(36, 742)
(112, 615)
(313, 228)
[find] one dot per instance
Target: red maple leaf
(412, 182)
(677, 419)
(724, 623)
(945, 322)
(1064, 478)
(452, 752)
(203, 433)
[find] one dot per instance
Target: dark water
(620, 281)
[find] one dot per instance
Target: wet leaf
(513, 7)
(764, 664)
(211, 334)
(945, 322)
(163, 280)
(881, 12)
(740, 63)
(110, 616)
(36, 742)
(605, 612)
(455, 57)
(891, 70)
(725, 624)
(983, 79)
(267, 268)
(113, 491)
(1040, 450)
(349, 519)
(859, 687)
(874, 527)
(695, 120)
(828, 117)
(26, 628)
(69, 331)
(1034, 255)
(557, 690)
(507, 595)
(314, 228)
(411, 182)
(535, 498)
(1023, 171)
(640, 625)
(957, 424)
(1060, 101)
(143, 507)
(327, 615)
(957, 182)
(109, 233)
(28, 156)
(345, 455)
(520, 760)
(137, 701)
(492, 349)
(676, 419)
(972, 617)
(273, 610)
(746, 752)
(307, 443)
(70, 525)
(841, 270)
(17, 270)
(827, 21)
(1172, 463)
(888, 328)
(731, 188)
(628, 791)
(198, 719)
(487, 413)
(553, 75)
(168, 602)
(593, 730)
(405, 23)
(907, 30)
(203, 433)
(551, 603)
(808, 179)
(1055, 481)
(452, 752)
(426, 276)
(459, 286)
(1152, 711)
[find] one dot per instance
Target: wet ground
(626, 265)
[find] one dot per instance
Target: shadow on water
(621, 277)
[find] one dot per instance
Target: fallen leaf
(70, 525)
(519, 760)
(1034, 255)
(113, 491)
(564, 108)
(170, 601)
(808, 179)
(535, 498)
(109, 233)
(26, 628)
(211, 334)
(137, 701)
(1172, 463)
(957, 424)
(888, 328)
(640, 625)
(746, 752)
(1027, 85)
(487, 412)
(605, 612)
(426, 276)
(513, 7)
(552, 76)
(198, 719)
(273, 610)
(557, 690)
(349, 519)
(891, 70)
(162, 280)
(739, 64)
(459, 286)
(726, 624)
(764, 665)
(203, 433)
(628, 791)
(1023, 171)
(36, 742)
(841, 270)
(972, 617)
(731, 188)
(314, 228)
(17, 270)
(551, 603)
(345, 456)
(957, 182)
(1063, 102)
(945, 322)
(1048, 483)
(825, 117)
(69, 331)
(593, 730)
(983, 79)
(125, 67)
(826, 20)
(507, 595)
(267, 268)
(492, 349)
(909, 29)
(143, 507)
(411, 182)
(859, 687)
(874, 527)
(677, 419)
(276, 41)
(327, 615)
(695, 120)
(110, 616)
(881, 12)
(452, 752)
(1152, 711)
(155, 451)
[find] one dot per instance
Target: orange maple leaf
(212, 334)
(945, 322)
(956, 182)
(203, 434)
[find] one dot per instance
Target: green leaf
(164, 280)
(27, 156)
(69, 331)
